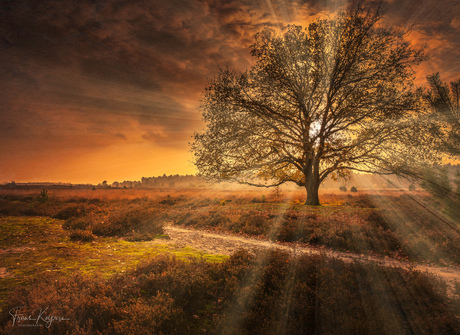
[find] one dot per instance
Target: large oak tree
(317, 103)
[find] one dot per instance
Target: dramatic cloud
(89, 87)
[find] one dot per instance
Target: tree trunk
(312, 188)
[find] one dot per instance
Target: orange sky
(108, 90)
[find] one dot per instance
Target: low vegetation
(397, 225)
(136, 219)
(268, 293)
(100, 263)
(33, 248)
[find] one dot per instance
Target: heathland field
(201, 261)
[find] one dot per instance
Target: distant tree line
(176, 180)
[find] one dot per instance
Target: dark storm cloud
(65, 65)
(431, 23)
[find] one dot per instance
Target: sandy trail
(226, 244)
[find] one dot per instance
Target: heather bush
(11, 208)
(201, 219)
(168, 201)
(75, 210)
(27, 207)
(78, 223)
(134, 219)
(251, 223)
(293, 230)
(126, 220)
(82, 235)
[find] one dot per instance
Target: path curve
(226, 244)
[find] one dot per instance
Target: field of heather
(207, 261)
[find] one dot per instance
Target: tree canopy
(317, 103)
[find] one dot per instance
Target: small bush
(251, 223)
(78, 223)
(291, 231)
(26, 206)
(82, 235)
(343, 188)
(138, 236)
(42, 196)
(276, 194)
(126, 220)
(353, 189)
(74, 211)
(168, 201)
(203, 219)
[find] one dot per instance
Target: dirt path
(226, 244)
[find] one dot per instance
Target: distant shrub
(42, 196)
(260, 200)
(353, 189)
(168, 201)
(411, 187)
(94, 201)
(276, 194)
(82, 235)
(343, 188)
